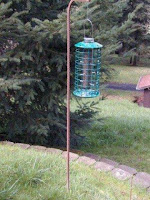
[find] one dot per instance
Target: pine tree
(33, 76)
(134, 40)
(119, 25)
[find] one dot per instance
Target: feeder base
(84, 93)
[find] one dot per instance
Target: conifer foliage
(33, 75)
(120, 25)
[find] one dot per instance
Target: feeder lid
(88, 43)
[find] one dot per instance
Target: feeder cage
(87, 68)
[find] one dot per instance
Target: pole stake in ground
(87, 74)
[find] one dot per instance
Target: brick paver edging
(121, 172)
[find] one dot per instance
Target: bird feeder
(87, 68)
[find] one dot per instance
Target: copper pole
(68, 90)
(68, 95)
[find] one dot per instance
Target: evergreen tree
(120, 25)
(134, 19)
(33, 76)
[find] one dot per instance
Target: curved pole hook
(68, 89)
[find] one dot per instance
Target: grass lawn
(128, 74)
(124, 135)
(125, 74)
(120, 94)
(30, 175)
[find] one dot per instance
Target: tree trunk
(135, 61)
(131, 60)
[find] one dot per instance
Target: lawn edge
(117, 170)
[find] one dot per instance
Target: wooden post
(146, 101)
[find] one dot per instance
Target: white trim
(137, 88)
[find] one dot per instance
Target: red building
(144, 84)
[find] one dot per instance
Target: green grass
(124, 135)
(128, 74)
(30, 175)
(120, 94)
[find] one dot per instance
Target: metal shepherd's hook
(68, 89)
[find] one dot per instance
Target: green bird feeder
(87, 68)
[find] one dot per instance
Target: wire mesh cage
(87, 68)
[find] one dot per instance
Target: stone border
(121, 172)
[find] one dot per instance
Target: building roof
(144, 83)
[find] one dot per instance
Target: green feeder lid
(89, 43)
